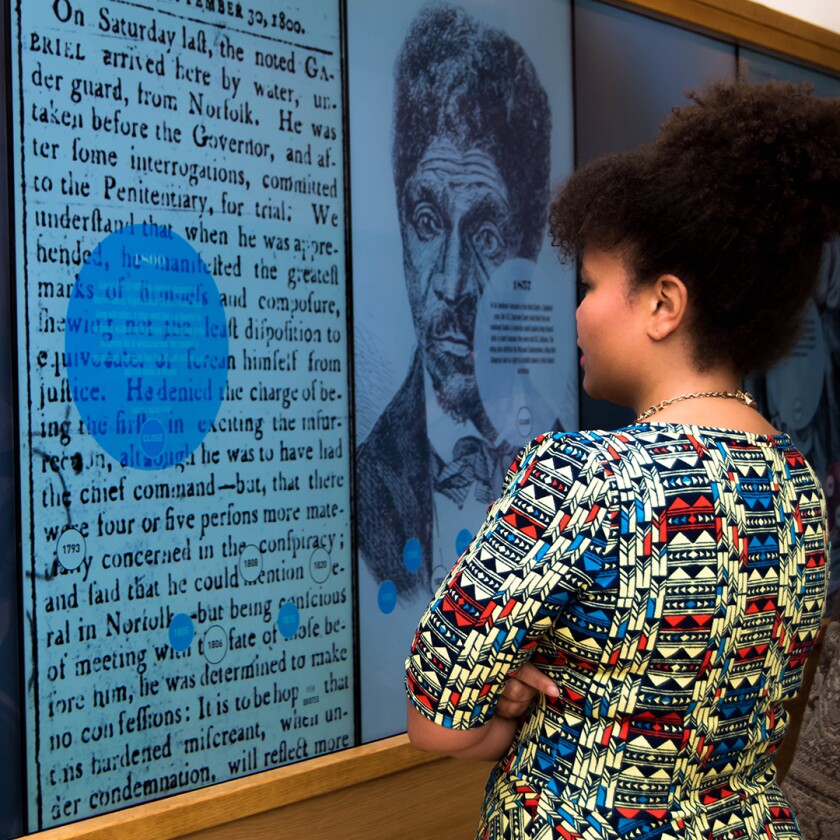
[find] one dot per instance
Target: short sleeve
(541, 545)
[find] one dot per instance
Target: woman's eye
(426, 222)
(488, 242)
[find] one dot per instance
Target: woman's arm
(487, 743)
(527, 562)
(491, 741)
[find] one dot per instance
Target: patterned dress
(671, 580)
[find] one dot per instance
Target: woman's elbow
(422, 733)
(428, 736)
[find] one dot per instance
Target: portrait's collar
(443, 431)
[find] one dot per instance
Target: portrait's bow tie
(473, 462)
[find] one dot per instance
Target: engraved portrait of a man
(470, 161)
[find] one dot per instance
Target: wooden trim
(417, 802)
(218, 804)
(751, 25)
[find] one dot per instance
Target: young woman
(662, 584)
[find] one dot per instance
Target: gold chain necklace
(742, 396)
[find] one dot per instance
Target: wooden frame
(187, 813)
(736, 21)
(750, 25)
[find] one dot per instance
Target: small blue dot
(387, 597)
(463, 539)
(412, 555)
(288, 619)
(181, 631)
(153, 438)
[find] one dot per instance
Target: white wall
(824, 13)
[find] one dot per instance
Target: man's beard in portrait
(452, 374)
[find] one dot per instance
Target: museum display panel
(242, 258)
(183, 396)
(447, 267)
(184, 404)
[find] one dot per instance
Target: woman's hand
(491, 741)
(521, 688)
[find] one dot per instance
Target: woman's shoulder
(657, 445)
(586, 443)
(578, 445)
(573, 456)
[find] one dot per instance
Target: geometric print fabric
(671, 580)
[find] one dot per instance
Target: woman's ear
(668, 306)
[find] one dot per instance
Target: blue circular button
(181, 631)
(153, 438)
(387, 597)
(412, 555)
(463, 539)
(288, 619)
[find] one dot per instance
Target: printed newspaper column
(184, 406)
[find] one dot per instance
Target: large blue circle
(146, 347)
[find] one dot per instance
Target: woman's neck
(682, 394)
(707, 399)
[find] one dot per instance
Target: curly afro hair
(736, 197)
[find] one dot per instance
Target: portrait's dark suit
(398, 471)
(394, 473)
